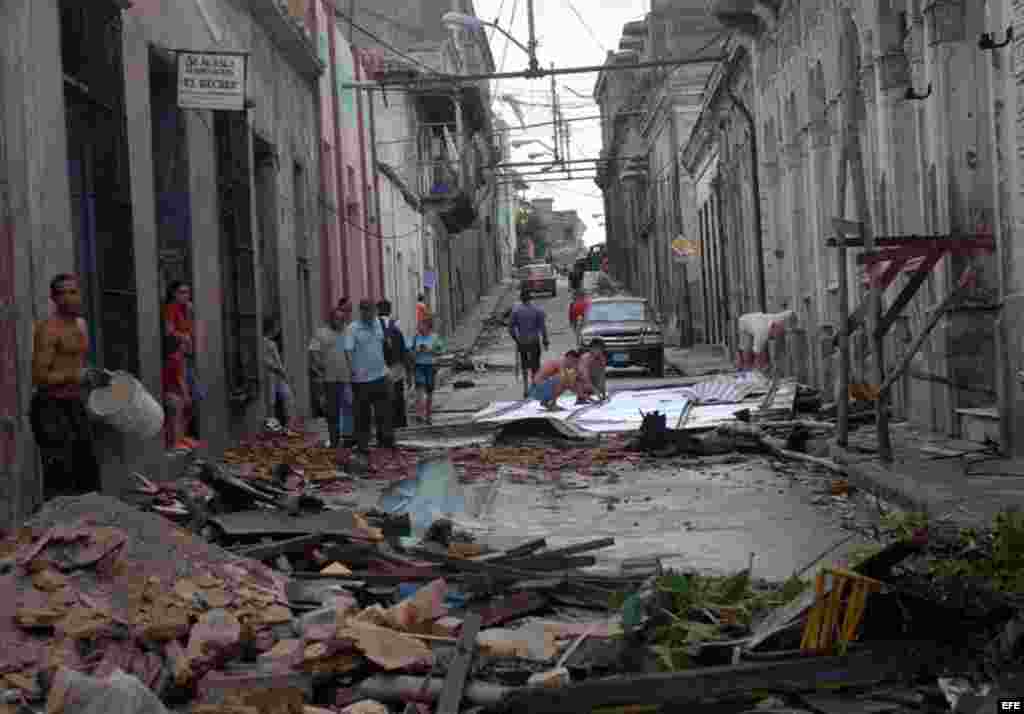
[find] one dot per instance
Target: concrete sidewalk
(699, 360)
(474, 323)
(934, 474)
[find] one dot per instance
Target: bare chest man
(61, 346)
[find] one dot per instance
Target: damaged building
(103, 175)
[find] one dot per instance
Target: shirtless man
(62, 380)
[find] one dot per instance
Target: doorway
(265, 187)
(99, 179)
(170, 174)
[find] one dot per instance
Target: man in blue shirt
(371, 384)
(528, 326)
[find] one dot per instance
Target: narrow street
(232, 232)
(708, 514)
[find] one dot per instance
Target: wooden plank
(256, 524)
(891, 271)
(957, 246)
(541, 563)
(881, 662)
(523, 550)
(579, 548)
(458, 671)
(925, 331)
(855, 241)
(506, 609)
(393, 578)
(908, 292)
(874, 312)
(843, 338)
(273, 550)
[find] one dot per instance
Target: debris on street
(259, 585)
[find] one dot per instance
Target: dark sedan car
(539, 278)
(630, 331)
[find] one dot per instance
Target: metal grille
(612, 341)
(241, 310)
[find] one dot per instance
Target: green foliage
(904, 525)
(1003, 567)
(792, 588)
(687, 592)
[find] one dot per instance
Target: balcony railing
(438, 179)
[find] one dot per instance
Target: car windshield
(617, 311)
(540, 271)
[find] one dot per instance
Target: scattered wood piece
(336, 568)
(284, 547)
(511, 607)
(792, 424)
(881, 662)
(458, 671)
(521, 551)
(570, 550)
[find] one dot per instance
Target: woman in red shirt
(179, 335)
(578, 310)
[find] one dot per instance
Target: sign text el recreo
(211, 80)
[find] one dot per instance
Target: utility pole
(556, 142)
(534, 70)
(565, 137)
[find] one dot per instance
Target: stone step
(977, 424)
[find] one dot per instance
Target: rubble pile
(108, 608)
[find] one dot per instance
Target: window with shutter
(238, 259)
(302, 251)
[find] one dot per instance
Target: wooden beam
(941, 310)
(273, 550)
(891, 271)
(458, 671)
(853, 321)
(878, 663)
(843, 405)
(908, 292)
(856, 241)
(959, 246)
(579, 548)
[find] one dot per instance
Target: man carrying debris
(591, 373)
(555, 377)
(756, 329)
(330, 364)
(528, 326)
(62, 381)
(364, 343)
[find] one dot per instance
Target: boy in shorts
(424, 346)
(555, 377)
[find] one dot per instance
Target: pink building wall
(351, 260)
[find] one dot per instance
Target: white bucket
(128, 407)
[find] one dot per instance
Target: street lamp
(455, 20)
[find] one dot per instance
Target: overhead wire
(586, 26)
(383, 43)
(504, 51)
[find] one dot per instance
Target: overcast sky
(570, 33)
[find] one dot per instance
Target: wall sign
(212, 80)
(683, 248)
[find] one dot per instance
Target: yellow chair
(834, 620)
